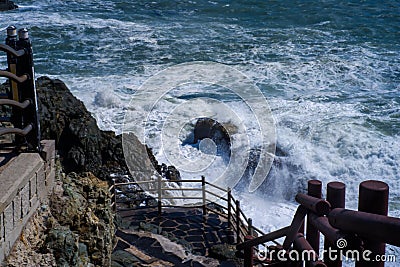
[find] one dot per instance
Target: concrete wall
(24, 184)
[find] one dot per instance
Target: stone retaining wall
(24, 184)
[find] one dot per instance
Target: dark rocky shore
(77, 227)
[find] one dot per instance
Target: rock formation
(81, 144)
(7, 5)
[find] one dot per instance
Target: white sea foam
(323, 92)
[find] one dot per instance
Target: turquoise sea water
(329, 69)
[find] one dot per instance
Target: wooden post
(248, 253)
(250, 227)
(114, 196)
(229, 207)
(203, 187)
(159, 203)
(335, 195)
(238, 221)
(373, 198)
(312, 234)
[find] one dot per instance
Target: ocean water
(330, 71)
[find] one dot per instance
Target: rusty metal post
(312, 233)
(373, 198)
(229, 207)
(335, 195)
(237, 221)
(248, 253)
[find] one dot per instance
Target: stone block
(17, 209)
(41, 183)
(33, 187)
(1, 227)
(8, 221)
(48, 152)
(25, 203)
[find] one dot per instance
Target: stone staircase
(180, 237)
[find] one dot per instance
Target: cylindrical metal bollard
(373, 198)
(335, 195)
(312, 233)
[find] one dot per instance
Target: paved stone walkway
(185, 227)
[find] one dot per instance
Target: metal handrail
(9, 50)
(12, 76)
(14, 103)
(22, 132)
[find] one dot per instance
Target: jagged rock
(80, 143)
(7, 5)
(64, 245)
(83, 206)
(222, 252)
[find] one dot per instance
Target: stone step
(146, 249)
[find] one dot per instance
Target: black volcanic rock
(7, 5)
(81, 144)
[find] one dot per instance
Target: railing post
(229, 207)
(159, 206)
(373, 198)
(114, 196)
(248, 253)
(312, 234)
(203, 187)
(250, 226)
(335, 195)
(237, 221)
(27, 90)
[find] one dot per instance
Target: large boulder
(80, 143)
(7, 5)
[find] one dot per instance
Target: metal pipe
(10, 102)
(9, 50)
(14, 77)
(22, 132)
(316, 205)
